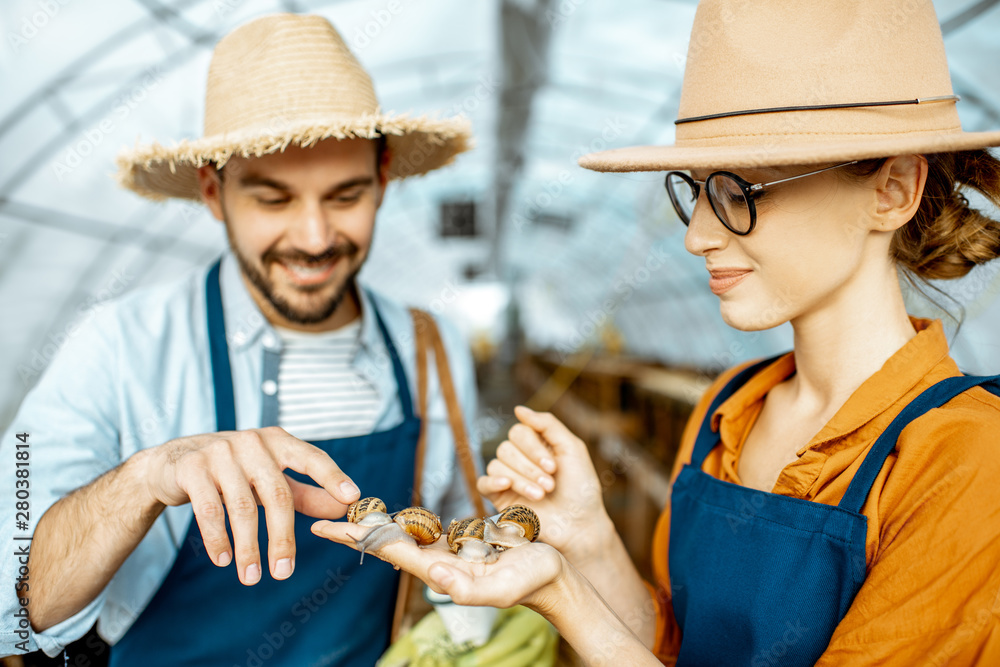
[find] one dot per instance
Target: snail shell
(415, 524)
(464, 530)
(513, 527)
(420, 523)
(359, 508)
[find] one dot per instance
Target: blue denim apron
(330, 611)
(764, 579)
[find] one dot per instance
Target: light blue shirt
(137, 375)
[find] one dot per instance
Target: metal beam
(969, 14)
(101, 230)
(524, 41)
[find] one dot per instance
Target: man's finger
(315, 501)
(210, 514)
(279, 515)
(310, 460)
(242, 509)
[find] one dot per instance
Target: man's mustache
(346, 249)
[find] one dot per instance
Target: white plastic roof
(82, 79)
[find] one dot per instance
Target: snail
(417, 524)
(513, 527)
(360, 508)
(465, 538)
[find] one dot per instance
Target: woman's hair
(946, 237)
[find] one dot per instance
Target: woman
(839, 504)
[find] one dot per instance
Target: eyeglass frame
(750, 191)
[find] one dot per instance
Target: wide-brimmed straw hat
(287, 79)
(771, 82)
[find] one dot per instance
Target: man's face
(300, 223)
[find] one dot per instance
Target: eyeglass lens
(729, 202)
(683, 195)
(725, 195)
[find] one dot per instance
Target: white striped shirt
(320, 396)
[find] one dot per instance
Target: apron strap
(707, 437)
(405, 398)
(222, 379)
(931, 398)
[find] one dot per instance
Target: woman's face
(813, 245)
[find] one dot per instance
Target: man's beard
(346, 251)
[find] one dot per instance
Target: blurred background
(573, 287)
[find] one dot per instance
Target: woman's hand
(528, 574)
(543, 465)
(535, 575)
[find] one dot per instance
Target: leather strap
(463, 451)
(427, 337)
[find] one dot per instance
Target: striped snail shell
(524, 518)
(464, 530)
(420, 523)
(465, 538)
(513, 527)
(360, 508)
(416, 524)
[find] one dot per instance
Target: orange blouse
(932, 592)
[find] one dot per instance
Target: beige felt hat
(287, 79)
(773, 82)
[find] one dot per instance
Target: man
(162, 426)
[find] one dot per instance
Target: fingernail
(252, 574)
(503, 481)
(534, 492)
(349, 489)
(224, 559)
(546, 483)
(549, 465)
(283, 568)
(441, 575)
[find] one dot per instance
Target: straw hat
(761, 77)
(287, 79)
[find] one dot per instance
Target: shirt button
(239, 338)
(269, 387)
(269, 341)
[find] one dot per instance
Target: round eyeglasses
(731, 197)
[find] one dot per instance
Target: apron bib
(330, 611)
(760, 578)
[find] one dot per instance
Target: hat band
(728, 114)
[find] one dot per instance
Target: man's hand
(236, 471)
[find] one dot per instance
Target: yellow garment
(932, 592)
(520, 638)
